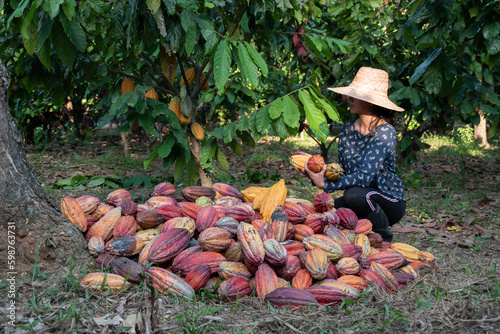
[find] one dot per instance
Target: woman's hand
(317, 178)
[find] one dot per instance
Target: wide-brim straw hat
(370, 85)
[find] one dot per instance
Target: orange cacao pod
(391, 259)
(302, 279)
(211, 258)
(332, 249)
(389, 280)
(126, 225)
(333, 171)
(293, 247)
(104, 282)
(190, 209)
(315, 163)
(266, 280)
(127, 86)
(364, 226)
(74, 212)
(240, 212)
(276, 195)
(152, 94)
(197, 131)
(104, 227)
(88, 203)
(299, 160)
(356, 282)
(302, 231)
(168, 211)
(156, 201)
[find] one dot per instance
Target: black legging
(362, 202)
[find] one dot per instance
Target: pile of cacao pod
(288, 252)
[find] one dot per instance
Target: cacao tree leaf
(229, 132)
(491, 30)
(75, 33)
(314, 115)
(160, 23)
(191, 172)
(257, 58)
(170, 5)
(222, 64)
(325, 105)
(165, 147)
(147, 122)
(151, 158)
(44, 30)
(291, 113)
(281, 129)
(222, 160)
(276, 108)
(493, 46)
(179, 167)
(44, 54)
(262, 119)
(243, 123)
(217, 132)
(18, 12)
(433, 81)
(29, 40)
(208, 152)
(153, 5)
(236, 147)
(100, 7)
(489, 109)
(344, 46)
(27, 21)
(420, 70)
(191, 30)
(248, 67)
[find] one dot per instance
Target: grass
(451, 184)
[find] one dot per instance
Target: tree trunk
(28, 218)
(480, 131)
(196, 151)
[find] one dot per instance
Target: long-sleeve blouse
(368, 161)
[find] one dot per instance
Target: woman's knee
(353, 197)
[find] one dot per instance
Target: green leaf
(433, 81)
(222, 160)
(262, 119)
(217, 132)
(44, 54)
(208, 152)
(291, 113)
(257, 58)
(147, 122)
(27, 21)
(191, 28)
(420, 70)
(96, 182)
(165, 147)
(248, 67)
(151, 158)
(276, 108)
(62, 45)
(191, 173)
(179, 167)
(104, 120)
(325, 105)
(69, 6)
(344, 46)
(153, 5)
(75, 33)
(236, 147)
(493, 46)
(314, 115)
(281, 129)
(229, 132)
(222, 65)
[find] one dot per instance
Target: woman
(367, 153)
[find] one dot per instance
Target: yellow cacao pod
(190, 75)
(333, 171)
(175, 106)
(276, 195)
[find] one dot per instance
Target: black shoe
(380, 223)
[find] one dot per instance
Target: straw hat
(370, 85)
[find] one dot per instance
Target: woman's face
(359, 106)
